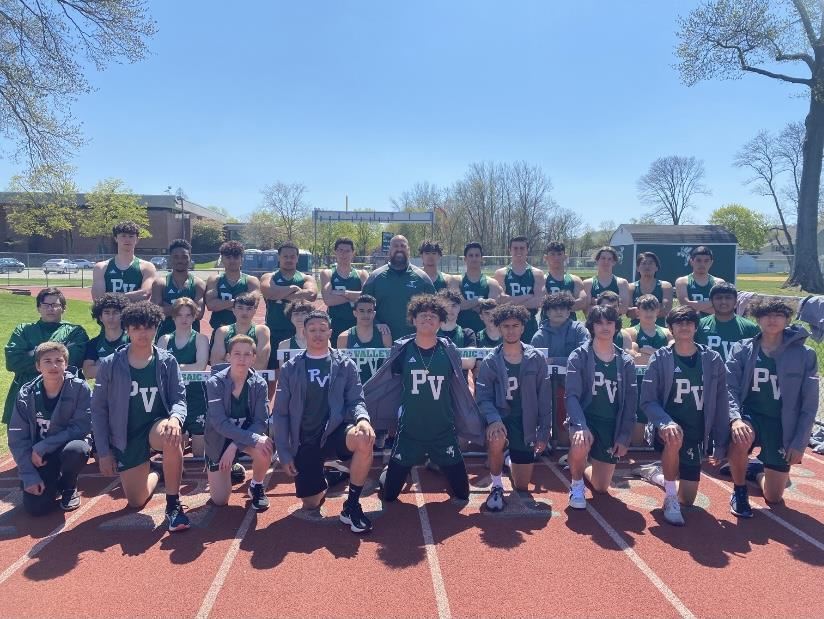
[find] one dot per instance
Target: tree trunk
(806, 271)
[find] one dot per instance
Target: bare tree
(287, 204)
(527, 192)
(669, 187)
(422, 197)
(46, 45)
(564, 225)
(731, 38)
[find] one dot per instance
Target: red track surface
(442, 559)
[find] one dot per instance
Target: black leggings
(396, 477)
(59, 473)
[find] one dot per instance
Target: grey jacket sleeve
(630, 403)
(540, 339)
(581, 333)
(100, 407)
(280, 416)
(721, 428)
(575, 391)
(485, 392)
(734, 369)
(176, 393)
(809, 402)
(217, 417)
(650, 404)
(78, 427)
(353, 402)
(545, 400)
(20, 442)
(260, 410)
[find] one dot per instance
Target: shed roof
(629, 234)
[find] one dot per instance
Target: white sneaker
(672, 511)
(652, 472)
(577, 497)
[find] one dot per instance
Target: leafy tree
(262, 230)
(109, 202)
(731, 38)
(751, 228)
(669, 187)
(207, 235)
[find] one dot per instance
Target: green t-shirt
(393, 289)
(427, 400)
(685, 403)
(279, 325)
(45, 408)
(170, 294)
(696, 292)
(145, 403)
(227, 292)
(604, 403)
(470, 319)
(764, 396)
(316, 407)
(239, 412)
(367, 366)
(657, 340)
(513, 388)
(720, 336)
(341, 315)
(123, 280)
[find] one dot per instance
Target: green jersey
(239, 412)
(145, 404)
(520, 285)
(426, 413)
(279, 325)
(170, 294)
(657, 340)
(393, 290)
(99, 347)
(657, 292)
(316, 406)
(231, 331)
(604, 403)
(764, 396)
(470, 290)
(293, 344)
(484, 341)
(341, 315)
(226, 292)
(123, 280)
(459, 336)
(513, 388)
(439, 282)
(366, 365)
(598, 287)
(44, 408)
(720, 336)
(696, 292)
(195, 391)
(685, 403)
(565, 284)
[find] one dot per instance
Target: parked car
(82, 263)
(160, 262)
(9, 265)
(59, 265)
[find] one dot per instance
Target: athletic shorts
(689, 456)
(310, 458)
(137, 449)
(408, 452)
(603, 439)
(769, 436)
(519, 451)
(559, 401)
(214, 466)
(640, 417)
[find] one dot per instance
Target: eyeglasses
(54, 306)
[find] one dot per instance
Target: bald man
(394, 284)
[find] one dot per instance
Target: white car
(59, 265)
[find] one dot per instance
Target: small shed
(672, 245)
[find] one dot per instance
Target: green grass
(61, 281)
(203, 266)
(15, 309)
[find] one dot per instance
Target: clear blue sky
(366, 98)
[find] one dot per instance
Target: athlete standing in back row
(474, 287)
(221, 290)
(522, 283)
(340, 287)
(125, 272)
(694, 289)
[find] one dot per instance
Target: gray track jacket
(562, 340)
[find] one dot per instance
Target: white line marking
(769, 513)
(431, 553)
(646, 570)
(228, 560)
(35, 550)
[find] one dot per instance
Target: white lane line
(431, 553)
(769, 513)
(35, 550)
(228, 560)
(645, 569)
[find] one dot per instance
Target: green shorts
(640, 417)
(689, 456)
(137, 449)
(443, 451)
(603, 439)
(519, 451)
(195, 409)
(769, 436)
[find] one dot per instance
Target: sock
(578, 484)
(171, 501)
(742, 487)
(670, 487)
(254, 483)
(354, 494)
(496, 481)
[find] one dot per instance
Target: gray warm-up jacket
(561, 340)
(797, 368)
(219, 423)
(345, 401)
(655, 391)
(812, 312)
(384, 394)
(70, 421)
(579, 377)
(533, 383)
(110, 399)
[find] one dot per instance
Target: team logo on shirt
(421, 378)
(314, 377)
(469, 295)
(716, 343)
(511, 387)
(611, 386)
(118, 285)
(450, 451)
(147, 395)
(517, 290)
(683, 387)
(763, 376)
(411, 284)
(42, 425)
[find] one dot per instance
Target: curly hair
(426, 303)
(507, 312)
(231, 248)
(126, 227)
(180, 243)
(450, 297)
(557, 299)
(142, 314)
(762, 307)
(301, 307)
(113, 300)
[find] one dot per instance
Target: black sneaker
(353, 516)
(177, 519)
(69, 500)
(740, 503)
(260, 502)
(238, 474)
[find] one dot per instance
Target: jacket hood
(794, 335)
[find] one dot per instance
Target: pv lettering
(420, 378)
(761, 376)
(601, 381)
(225, 296)
(518, 290)
(511, 387)
(554, 289)
(469, 295)
(147, 394)
(716, 343)
(372, 362)
(314, 377)
(118, 285)
(697, 296)
(683, 387)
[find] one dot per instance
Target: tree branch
(805, 20)
(806, 58)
